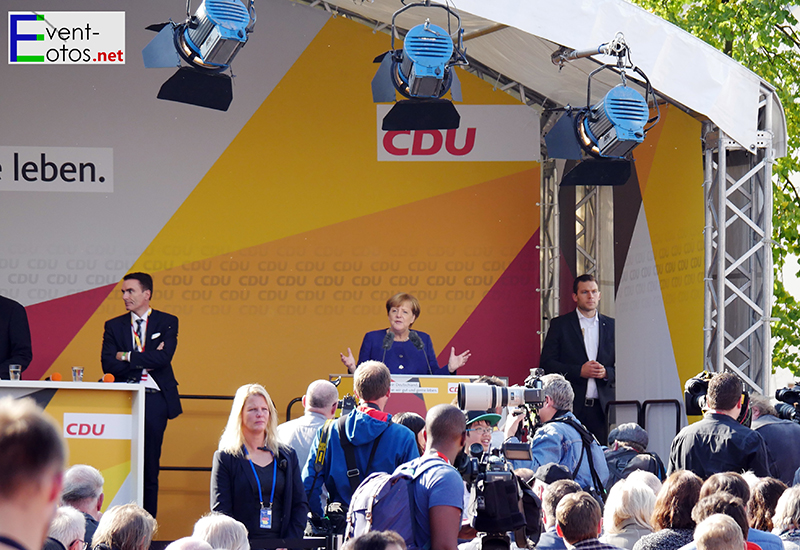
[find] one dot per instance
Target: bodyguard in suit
(15, 337)
(580, 346)
(138, 349)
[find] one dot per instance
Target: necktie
(139, 332)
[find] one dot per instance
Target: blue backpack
(386, 501)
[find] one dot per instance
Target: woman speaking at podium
(403, 350)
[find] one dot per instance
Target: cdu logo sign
(97, 426)
(66, 37)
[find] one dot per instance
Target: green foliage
(762, 35)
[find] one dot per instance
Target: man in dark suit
(15, 337)
(138, 349)
(580, 346)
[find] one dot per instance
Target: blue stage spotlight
(423, 72)
(615, 125)
(207, 42)
(602, 136)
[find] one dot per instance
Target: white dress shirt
(590, 327)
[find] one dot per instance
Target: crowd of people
(724, 485)
(272, 485)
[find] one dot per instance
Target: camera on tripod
(789, 408)
(496, 505)
(499, 501)
(694, 397)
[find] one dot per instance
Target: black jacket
(162, 328)
(564, 352)
(718, 443)
(234, 492)
(776, 433)
(15, 336)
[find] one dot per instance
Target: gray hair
(189, 543)
(761, 404)
(645, 479)
(558, 388)
(68, 525)
(125, 527)
(787, 512)
(81, 482)
(628, 502)
(221, 531)
(718, 532)
(321, 394)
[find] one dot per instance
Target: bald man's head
(444, 424)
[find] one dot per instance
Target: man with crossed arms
(138, 348)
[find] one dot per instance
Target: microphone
(55, 377)
(388, 340)
(416, 340)
(420, 345)
(108, 377)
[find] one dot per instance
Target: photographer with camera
(718, 442)
(776, 432)
(563, 439)
(480, 426)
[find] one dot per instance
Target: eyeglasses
(481, 430)
(84, 545)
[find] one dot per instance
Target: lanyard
(139, 344)
(258, 482)
(440, 455)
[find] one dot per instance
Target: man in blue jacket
(378, 445)
(561, 438)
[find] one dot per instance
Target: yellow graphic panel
(673, 202)
(308, 158)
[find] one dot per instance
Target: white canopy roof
(517, 37)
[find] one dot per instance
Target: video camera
(346, 403)
(789, 408)
(694, 397)
(499, 501)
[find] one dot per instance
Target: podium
(103, 425)
(413, 393)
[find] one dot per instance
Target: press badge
(266, 518)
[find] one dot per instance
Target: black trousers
(594, 418)
(155, 422)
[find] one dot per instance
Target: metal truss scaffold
(738, 256)
(549, 249)
(587, 229)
